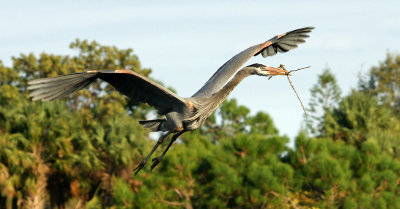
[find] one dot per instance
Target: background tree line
(79, 152)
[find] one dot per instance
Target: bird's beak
(276, 71)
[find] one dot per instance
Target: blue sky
(181, 40)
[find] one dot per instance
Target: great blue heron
(181, 114)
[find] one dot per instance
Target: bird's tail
(48, 89)
(153, 125)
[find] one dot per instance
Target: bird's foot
(139, 167)
(156, 161)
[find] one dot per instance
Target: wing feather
(270, 51)
(142, 89)
(129, 83)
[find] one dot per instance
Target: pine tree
(335, 174)
(383, 81)
(325, 96)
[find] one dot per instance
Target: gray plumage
(180, 114)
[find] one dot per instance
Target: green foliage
(383, 81)
(79, 152)
(73, 147)
(325, 96)
(335, 174)
(360, 118)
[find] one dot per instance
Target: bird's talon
(155, 162)
(139, 167)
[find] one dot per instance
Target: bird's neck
(216, 99)
(228, 88)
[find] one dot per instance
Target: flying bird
(179, 114)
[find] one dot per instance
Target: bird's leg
(143, 163)
(159, 158)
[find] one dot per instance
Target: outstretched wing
(280, 43)
(129, 83)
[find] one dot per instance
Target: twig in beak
(296, 94)
(299, 69)
(287, 75)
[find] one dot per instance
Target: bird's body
(180, 114)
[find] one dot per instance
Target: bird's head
(263, 70)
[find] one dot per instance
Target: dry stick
(299, 69)
(287, 75)
(297, 95)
